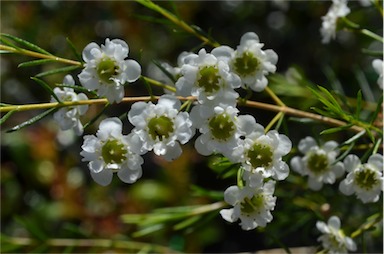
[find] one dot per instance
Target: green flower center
(318, 163)
(251, 205)
(366, 178)
(113, 152)
(106, 69)
(160, 127)
(247, 64)
(209, 79)
(222, 127)
(260, 155)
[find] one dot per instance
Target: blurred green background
(46, 189)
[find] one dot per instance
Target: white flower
(221, 129)
(110, 151)
(252, 206)
(262, 153)
(106, 69)
(207, 78)
(318, 162)
(249, 61)
(379, 66)
(68, 117)
(333, 239)
(161, 127)
(337, 10)
(365, 180)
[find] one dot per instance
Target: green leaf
(354, 138)
(336, 129)
(43, 84)
(32, 120)
(187, 223)
(148, 230)
(6, 116)
(359, 103)
(26, 44)
(379, 108)
(74, 50)
(35, 62)
(167, 73)
(96, 117)
(59, 70)
(32, 227)
(78, 89)
(10, 44)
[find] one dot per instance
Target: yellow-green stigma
(247, 64)
(222, 127)
(209, 79)
(113, 152)
(160, 127)
(260, 155)
(107, 69)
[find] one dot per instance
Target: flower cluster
(68, 117)
(333, 239)
(337, 10)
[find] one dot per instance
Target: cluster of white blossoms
(321, 166)
(337, 10)
(333, 239)
(68, 117)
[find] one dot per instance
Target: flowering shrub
(207, 109)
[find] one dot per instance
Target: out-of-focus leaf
(148, 230)
(73, 48)
(6, 116)
(59, 70)
(96, 117)
(377, 111)
(186, 223)
(32, 120)
(32, 227)
(336, 129)
(167, 73)
(354, 138)
(78, 88)
(358, 104)
(35, 62)
(202, 192)
(26, 44)
(44, 85)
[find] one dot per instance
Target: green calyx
(366, 178)
(113, 152)
(222, 127)
(160, 127)
(260, 155)
(251, 205)
(107, 69)
(318, 163)
(209, 79)
(247, 64)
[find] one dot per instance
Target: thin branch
(39, 55)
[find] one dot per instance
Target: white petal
(169, 101)
(377, 161)
(103, 178)
(345, 188)
(249, 36)
(110, 126)
(133, 70)
(298, 165)
(247, 123)
(231, 195)
(351, 162)
(334, 222)
(173, 152)
(96, 166)
(201, 147)
(68, 80)
(306, 144)
(87, 51)
(314, 184)
(228, 215)
(129, 176)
